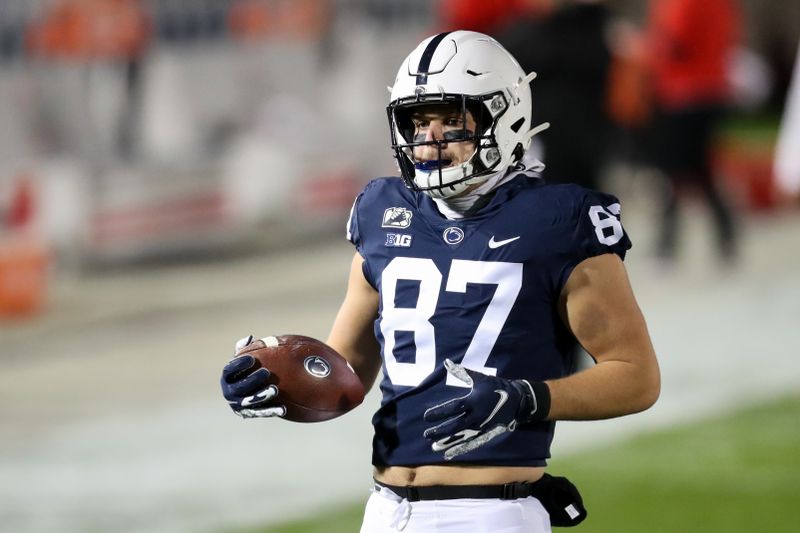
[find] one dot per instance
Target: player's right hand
(245, 386)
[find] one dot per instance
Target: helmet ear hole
(518, 124)
(518, 152)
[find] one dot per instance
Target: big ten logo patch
(398, 240)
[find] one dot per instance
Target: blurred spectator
(189, 21)
(628, 99)
(12, 28)
(256, 19)
(567, 48)
(79, 34)
(787, 151)
(90, 29)
(691, 43)
(22, 207)
(484, 16)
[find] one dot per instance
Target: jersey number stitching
(607, 220)
(507, 277)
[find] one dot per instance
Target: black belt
(509, 491)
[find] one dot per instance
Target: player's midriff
(456, 475)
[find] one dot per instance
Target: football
(314, 382)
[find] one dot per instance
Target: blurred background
(176, 174)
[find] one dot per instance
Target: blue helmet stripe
(427, 56)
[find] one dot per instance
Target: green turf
(737, 473)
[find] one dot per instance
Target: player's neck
(458, 208)
(476, 199)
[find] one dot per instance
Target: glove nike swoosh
(503, 398)
(260, 397)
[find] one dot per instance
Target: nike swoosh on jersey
(500, 403)
(497, 244)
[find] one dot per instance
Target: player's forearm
(352, 332)
(609, 389)
(363, 356)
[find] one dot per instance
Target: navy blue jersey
(482, 291)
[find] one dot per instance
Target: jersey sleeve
(598, 230)
(353, 234)
(357, 233)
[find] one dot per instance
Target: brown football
(314, 382)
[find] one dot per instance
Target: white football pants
(387, 512)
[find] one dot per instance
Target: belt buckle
(509, 491)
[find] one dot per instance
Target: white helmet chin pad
(446, 182)
(474, 72)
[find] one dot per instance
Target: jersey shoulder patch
(372, 193)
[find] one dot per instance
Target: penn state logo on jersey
(453, 235)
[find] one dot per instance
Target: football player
(471, 281)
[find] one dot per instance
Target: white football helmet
(474, 72)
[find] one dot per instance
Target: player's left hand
(493, 406)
